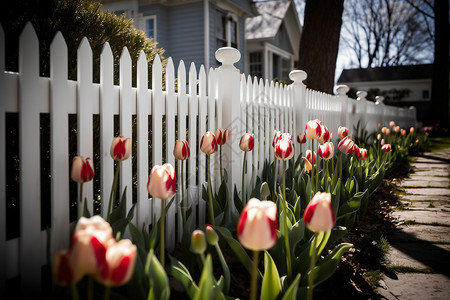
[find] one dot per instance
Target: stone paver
(410, 183)
(416, 286)
(421, 216)
(424, 198)
(432, 172)
(428, 191)
(420, 255)
(428, 166)
(435, 205)
(422, 233)
(416, 177)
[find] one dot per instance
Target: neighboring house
(191, 30)
(273, 39)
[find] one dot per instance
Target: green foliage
(75, 19)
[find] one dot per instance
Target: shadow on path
(441, 159)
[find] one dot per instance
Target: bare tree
(386, 33)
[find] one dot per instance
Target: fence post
(299, 102)
(379, 101)
(412, 118)
(362, 104)
(342, 91)
(228, 95)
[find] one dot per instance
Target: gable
(394, 73)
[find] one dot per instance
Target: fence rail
(197, 102)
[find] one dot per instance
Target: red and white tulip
(311, 156)
(161, 182)
(386, 148)
(120, 148)
(342, 132)
(247, 142)
(319, 215)
(221, 136)
(301, 138)
(82, 169)
(313, 129)
(346, 145)
(326, 151)
(284, 149)
(208, 143)
(181, 150)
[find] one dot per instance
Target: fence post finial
(300, 109)
(228, 56)
(361, 102)
(379, 99)
(342, 91)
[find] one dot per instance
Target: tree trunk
(320, 42)
(440, 84)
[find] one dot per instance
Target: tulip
(346, 145)
(411, 130)
(181, 150)
(89, 244)
(326, 151)
(382, 142)
(397, 129)
(221, 136)
(162, 184)
(82, 169)
(275, 137)
(311, 156)
(284, 149)
(356, 151)
(120, 148)
(362, 154)
(379, 125)
(308, 165)
(388, 131)
(379, 136)
(208, 143)
(342, 132)
(386, 148)
(325, 136)
(247, 142)
(257, 226)
(301, 138)
(62, 271)
(198, 242)
(120, 259)
(313, 129)
(402, 131)
(391, 123)
(383, 130)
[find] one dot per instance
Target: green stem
(112, 195)
(340, 165)
(274, 178)
(221, 170)
(211, 208)
(317, 175)
(312, 169)
(162, 223)
(183, 207)
(311, 267)
(254, 282)
(107, 293)
(74, 290)
(286, 233)
(243, 180)
(226, 270)
(326, 176)
(80, 202)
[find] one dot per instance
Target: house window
(150, 27)
(425, 94)
(226, 30)
(255, 64)
(285, 69)
(280, 67)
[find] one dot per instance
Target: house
(191, 30)
(272, 39)
(400, 85)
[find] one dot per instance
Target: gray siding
(244, 4)
(162, 24)
(281, 40)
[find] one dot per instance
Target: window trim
(230, 17)
(144, 25)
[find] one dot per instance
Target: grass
(437, 144)
(406, 269)
(373, 277)
(413, 222)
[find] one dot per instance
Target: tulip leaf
(296, 234)
(297, 206)
(159, 282)
(327, 266)
(237, 201)
(181, 273)
(206, 283)
(271, 286)
(86, 212)
(336, 196)
(291, 293)
(336, 234)
(119, 211)
(352, 205)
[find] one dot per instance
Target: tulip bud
(301, 138)
(284, 149)
(208, 144)
(391, 123)
(181, 150)
(402, 131)
(417, 141)
(120, 259)
(247, 142)
(388, 131)
(397, 129)
(379, 136)
(411, 130)
(326, 151)
(198, 242)
(362, 154)
(313, 129)
(382, 142)
(311, 156)
(319, 215)
(346, 145)
(120, 148)
(161, 182)
(379, 125)
(264, 190)
(89, 243)
(383, 130)
(62, 271)
(211, 235)
(82, 169)
(386, 147)
(276, 135)
(325, 136)
(221, 136)
(308, 165)
(343, 132)
(257, 226)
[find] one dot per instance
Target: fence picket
(193, 188)
(202, 111)
(212, 126)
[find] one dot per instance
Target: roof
(394, 73)
(271, 16)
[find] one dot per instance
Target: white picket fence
(219, 98)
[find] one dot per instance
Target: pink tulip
(62, 271)
(311, 156)
(411, 130)
(181, 150)
(301, 138)
(89, 244)
(379, 125)
(388, 131)
(325, 136)
(386, 147)
(402, 131)
(161, 182)
(379, 136)
(319, 215)
(313, 129)
(382, 142)
(208, 144)
(391, 123)
(362, 154)
(326, 151)
(247, 142)
(257, 226)
(221, 136)
(397, 129)
(276, 135)
(120, 148)
(82, 169)
(383, 130)
(120, 262)
(343, 132)
(284, 150)
(346, 145)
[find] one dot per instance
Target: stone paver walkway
(419, 253)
